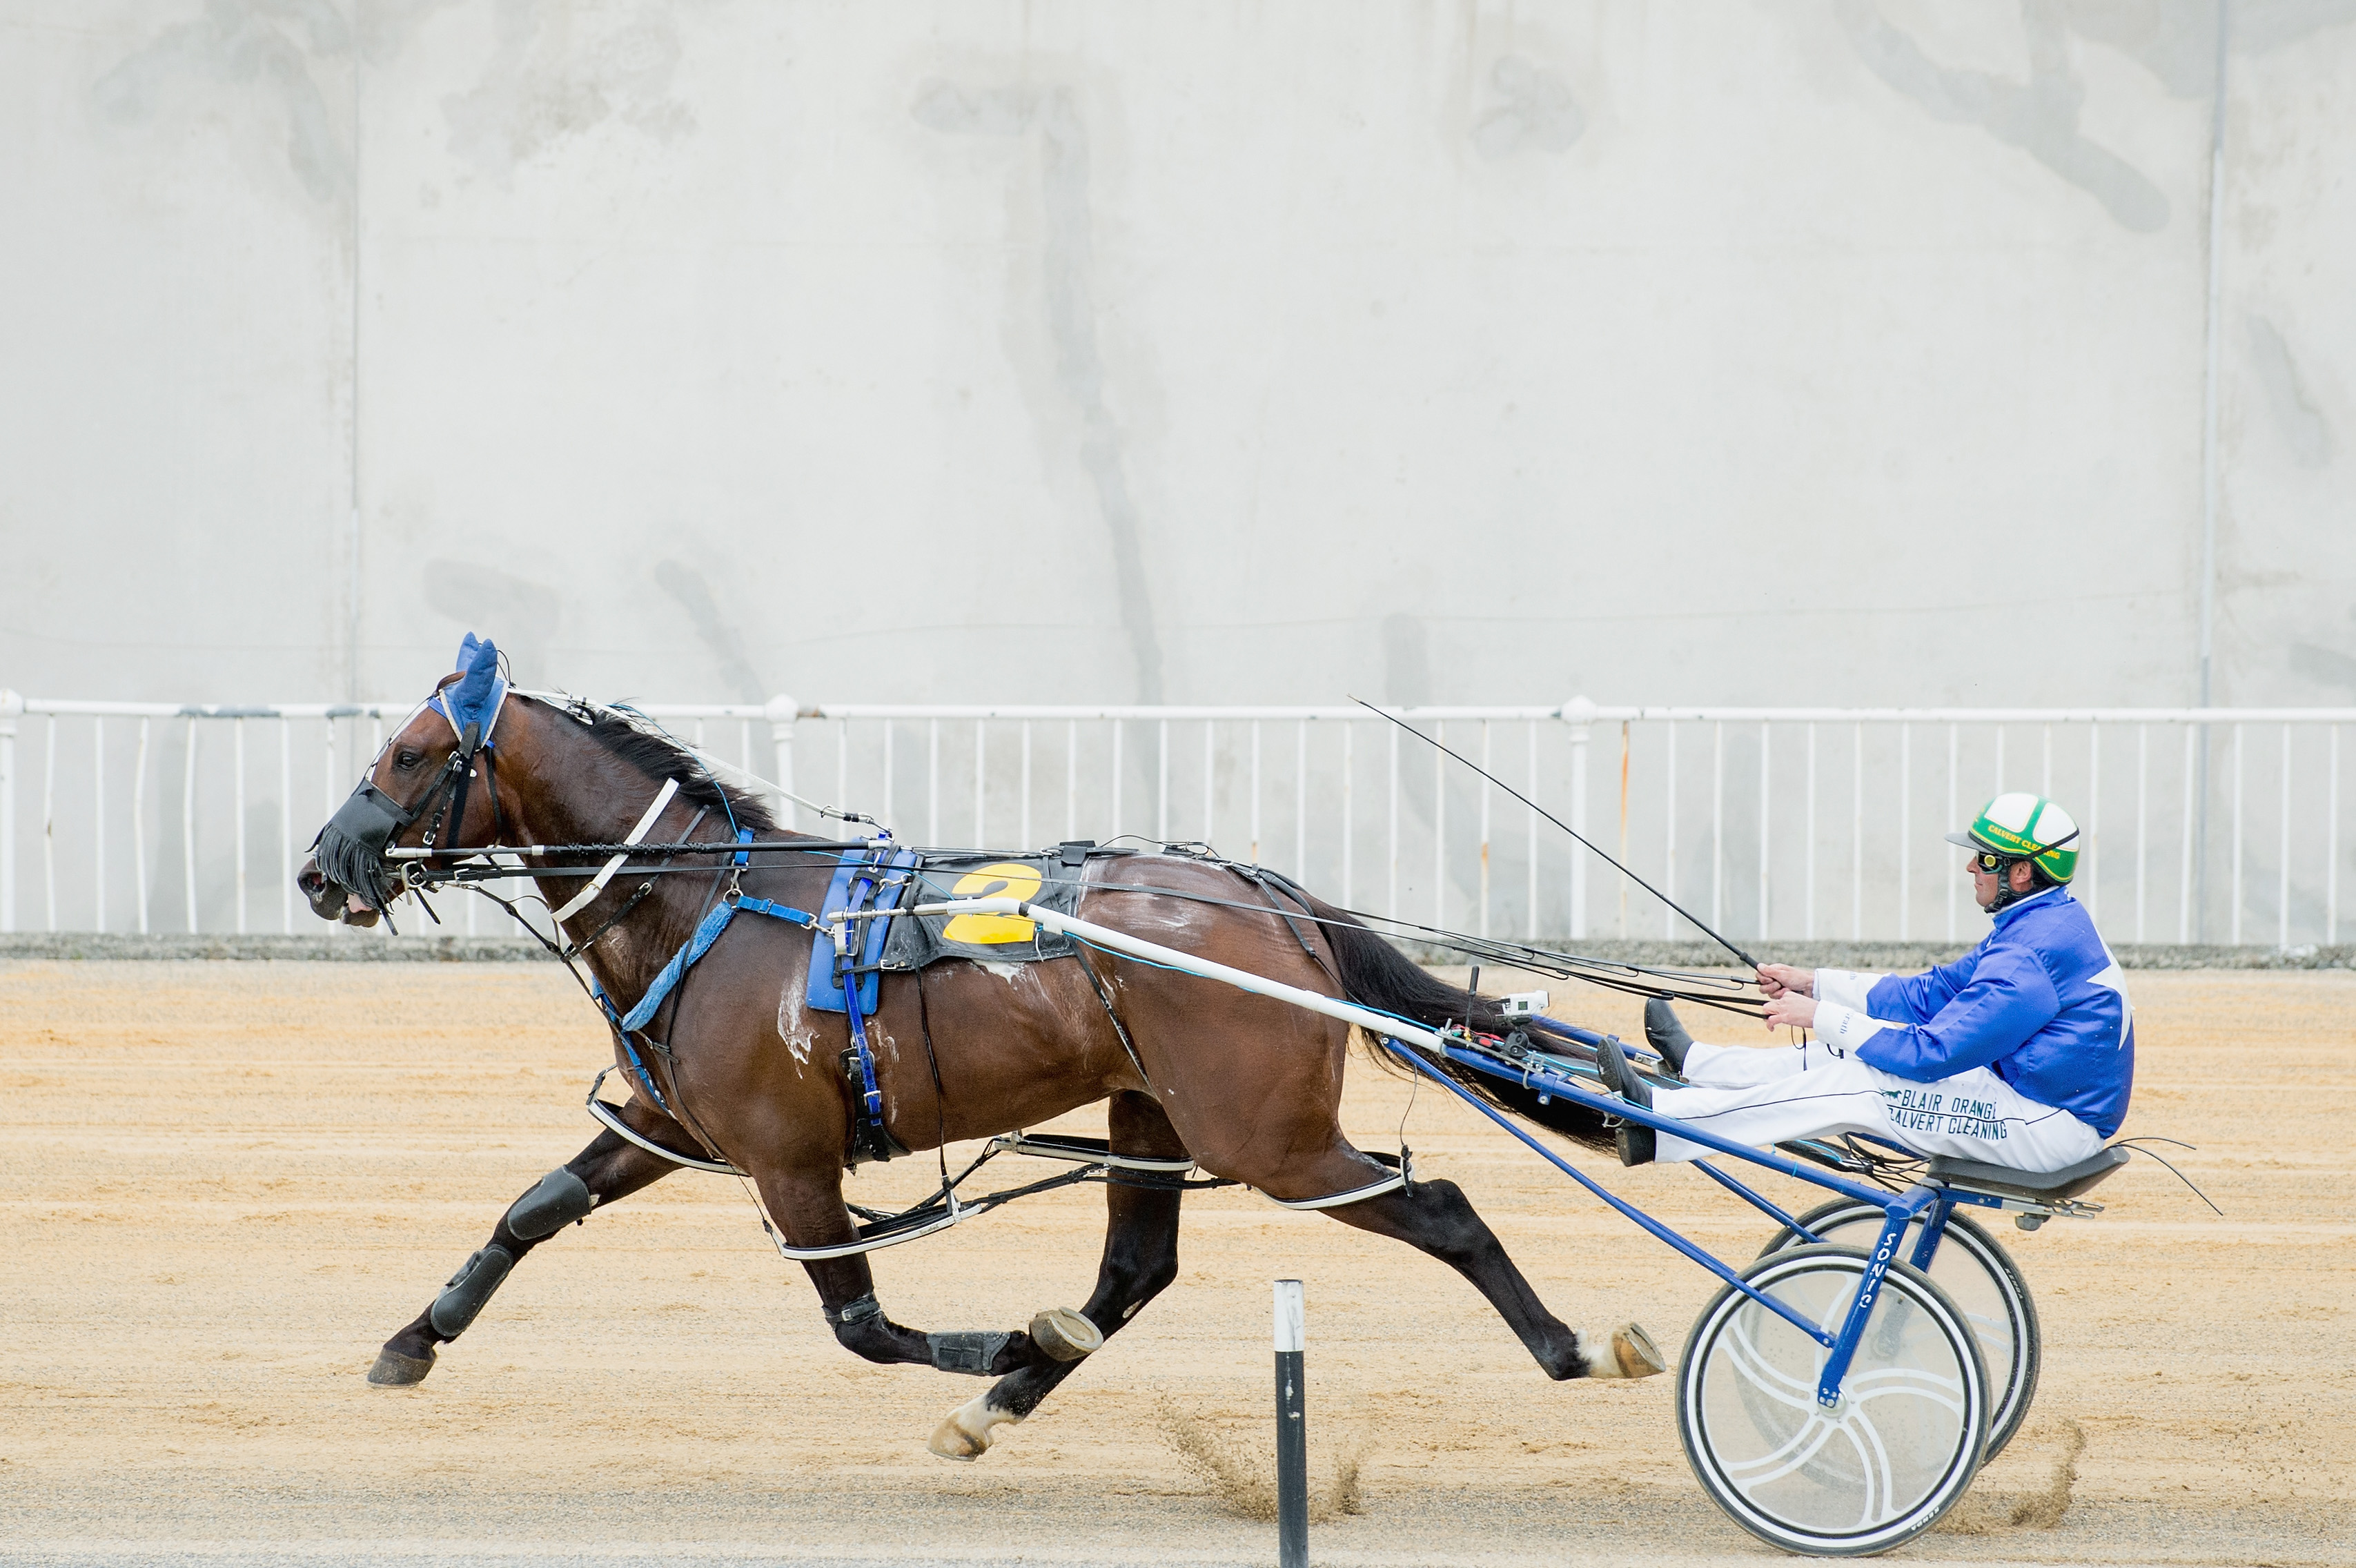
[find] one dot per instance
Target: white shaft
(1367, 1018)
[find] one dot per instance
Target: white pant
(1771, 1094)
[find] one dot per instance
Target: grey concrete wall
(1838, 352)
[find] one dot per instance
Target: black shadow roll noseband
(351, 848)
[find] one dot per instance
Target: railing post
(1717, 823)
(1808, 851)
(12, 707)
(1390, 890)
(2281, 859)
(237, 798)
(780, 712)
(1905, 831)
(2234, 928)
(1669, 836)
(1955, 754)
(188, 825)
(1484, 927)
(1766, 836)
(1580, 714)
(98, 823)
(1530, 736)
(1300, 802)
(139, 824)
(1440, 825)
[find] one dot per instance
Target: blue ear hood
(476, 698)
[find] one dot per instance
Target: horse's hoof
(1635, 1353)
(395, 1370)
(951, 1442)
(1063, 1335)
(965, 1435)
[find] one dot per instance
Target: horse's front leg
(611, 1167)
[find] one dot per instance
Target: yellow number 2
(1004, 880)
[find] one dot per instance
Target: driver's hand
(1791, 1010)
(1776, 979)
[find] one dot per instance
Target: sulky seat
(2035, 1187)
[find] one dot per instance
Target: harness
(859, 875)
(867, 883)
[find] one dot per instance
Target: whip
(1748, 961)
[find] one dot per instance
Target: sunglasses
(1987, 860)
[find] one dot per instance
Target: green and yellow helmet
(2021, 826)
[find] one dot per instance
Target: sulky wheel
(1878, 1471)
(1978, 1276)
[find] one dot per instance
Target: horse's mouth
(332, 900)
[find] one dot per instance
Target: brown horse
(1246, 1087)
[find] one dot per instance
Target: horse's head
(419, 792)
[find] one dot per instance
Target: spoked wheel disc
(1876, 1472)
(1978, 1276)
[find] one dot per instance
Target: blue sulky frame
(1931, 1203)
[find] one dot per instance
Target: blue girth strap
(845, 976)
(626, 1024)
(856, 887)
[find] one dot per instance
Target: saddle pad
(890, 884)
(1046, 880)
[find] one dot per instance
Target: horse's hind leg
(1436, 1217)
(609, 1168)
(1141, 1258)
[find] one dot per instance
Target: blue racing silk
(2040, 1001)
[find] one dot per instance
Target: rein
(1641, 980)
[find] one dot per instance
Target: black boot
(1636, 1144)
(1666, 1034)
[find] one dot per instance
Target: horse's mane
(636, 741)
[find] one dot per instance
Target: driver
(2021, 1053)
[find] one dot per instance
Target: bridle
(351, 847)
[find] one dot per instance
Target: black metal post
(1291, 1431)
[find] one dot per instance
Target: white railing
(2217, 824)
(212, 802)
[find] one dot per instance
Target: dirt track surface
(222, 1186)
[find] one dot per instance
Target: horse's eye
(405, 760)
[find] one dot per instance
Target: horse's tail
(1376, 974)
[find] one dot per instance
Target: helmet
(2021, 826)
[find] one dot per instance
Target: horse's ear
(476, 698)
